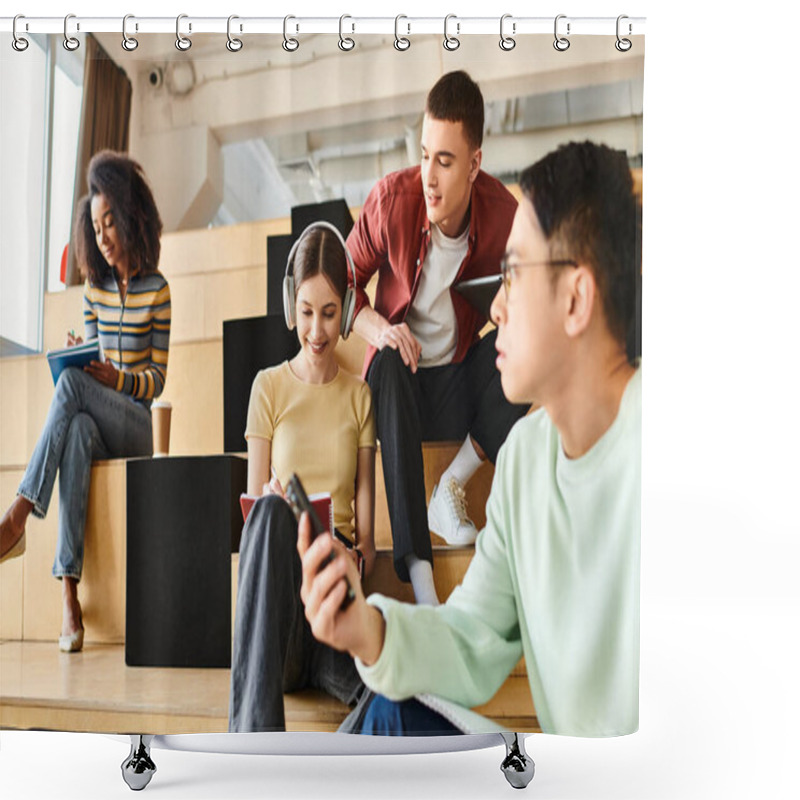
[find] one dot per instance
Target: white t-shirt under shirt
(431, 317)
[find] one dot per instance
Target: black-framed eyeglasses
(507, 268)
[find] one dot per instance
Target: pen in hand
(274, 486)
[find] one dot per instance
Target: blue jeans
(385, 717)
(87, 421)
(274, 650)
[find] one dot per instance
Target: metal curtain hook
(623, 45)
(451, 42)
(19, 43)
(70, 42)
(507, 42)
(289, 44)
(345, 43)
(400, 42)
(129, 43)
(560, 43)
(233, 44)
(181, 42)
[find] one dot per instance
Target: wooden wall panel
(188, 322)
(26, 389)
(102, 590)
(41, 591)
(194, 387)
(63, 311)
(232, 295)
(11, 573)
(14, 403)
(226, 247)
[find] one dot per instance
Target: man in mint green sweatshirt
(555, 575)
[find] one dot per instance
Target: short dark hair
(586, 206)
(122, 182)
(455, 97)
(321, 253)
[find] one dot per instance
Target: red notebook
(322, 502)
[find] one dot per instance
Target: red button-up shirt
(392, 235)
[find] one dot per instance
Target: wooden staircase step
(43, 689)
(449, 566)
(103, 584)
(436, 457)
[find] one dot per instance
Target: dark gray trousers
(274, 650)
(434, 404)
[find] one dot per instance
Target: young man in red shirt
(423, 230)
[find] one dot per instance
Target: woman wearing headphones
(310, 417)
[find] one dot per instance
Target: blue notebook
(78, 356)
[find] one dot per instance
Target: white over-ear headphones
(349, 300)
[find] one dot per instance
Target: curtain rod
(348, 25)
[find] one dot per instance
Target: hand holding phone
(299, 503)
(358, 629)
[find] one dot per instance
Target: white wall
(305, 105)
(22, 115)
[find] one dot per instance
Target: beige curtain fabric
(105, 119)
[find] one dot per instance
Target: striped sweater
(133, 334)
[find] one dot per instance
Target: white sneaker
(447, 514)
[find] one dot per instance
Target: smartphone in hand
(298, 501)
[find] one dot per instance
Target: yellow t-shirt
(315, 431)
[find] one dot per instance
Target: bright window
(40, 91)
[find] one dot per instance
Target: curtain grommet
(19, 43)
(346, 44)
(71, 43)
(233, 44)
(182, 43)
(289, 44)
(129, 43)
(400, 42)
(507, 43)
(561, 43)
(623, 45)
(451, 43)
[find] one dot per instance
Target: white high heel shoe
(17, 550)
(73, 642)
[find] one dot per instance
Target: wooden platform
(42, 688)
(31, 599)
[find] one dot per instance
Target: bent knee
(70, 379)
(268, 504)
(273, 514)
(387, 364)
(82, 426)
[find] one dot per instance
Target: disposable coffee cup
(161, 411)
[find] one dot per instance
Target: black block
(249, 345)
(337, 212)
(183, 523)
(278, 248)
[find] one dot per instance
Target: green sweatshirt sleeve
(464, 649)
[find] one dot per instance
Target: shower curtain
(245, 140)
